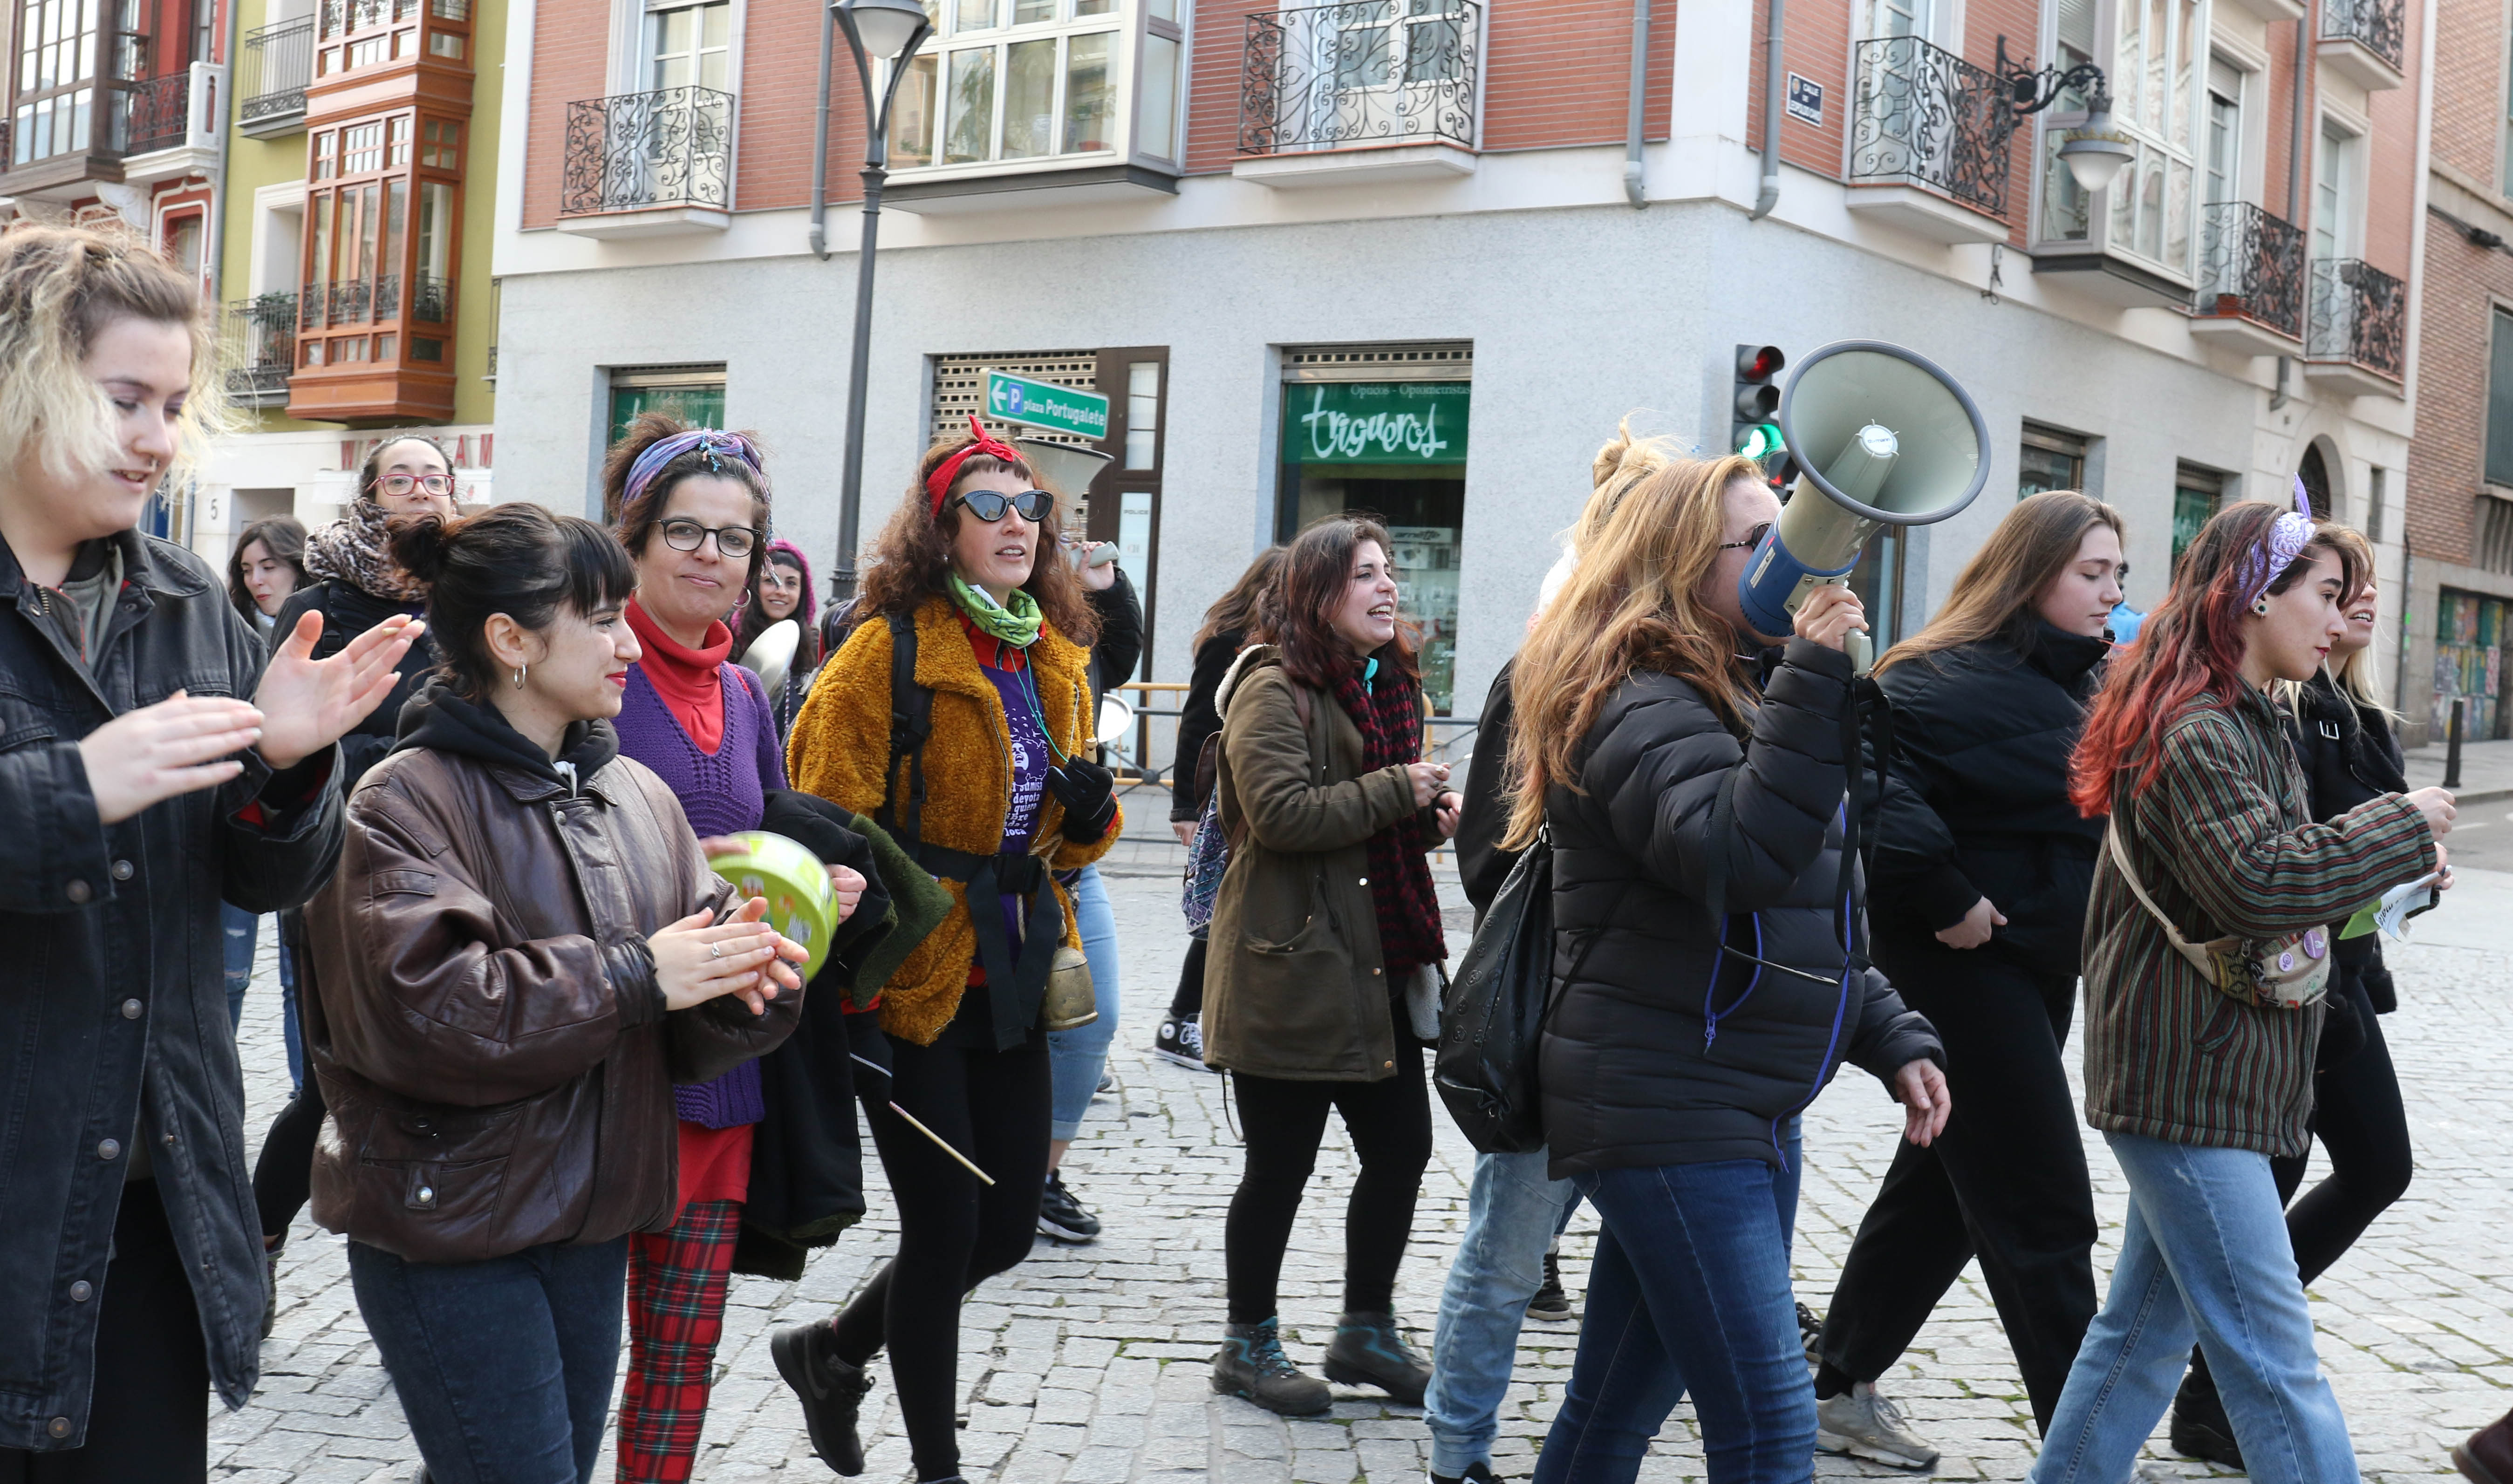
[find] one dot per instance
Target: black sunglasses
(989, 505)
(1753, 537)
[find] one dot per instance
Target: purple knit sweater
(723, 793)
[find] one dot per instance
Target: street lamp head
(884, 28)
(2094, 151)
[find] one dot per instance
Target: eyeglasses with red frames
(403, 483)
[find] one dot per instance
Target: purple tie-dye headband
(710, 441)
(2286, 538)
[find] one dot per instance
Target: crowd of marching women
(552, 1073)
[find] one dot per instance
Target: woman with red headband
(955, 717)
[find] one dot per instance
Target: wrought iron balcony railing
(2251, 265)
(2380, 26)
(275, 64)
(157, 113)
(1920, 115)
(263, 333)
(1361, 73)
(639, 151)
(2359, 315)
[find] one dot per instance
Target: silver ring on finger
(715, 949)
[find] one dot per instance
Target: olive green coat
(1293, 985)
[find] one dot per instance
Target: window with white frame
(2156, 71)
(1898, 18)
(2225, 179)
(688, 46)
(1018, 82)
(2335, 215)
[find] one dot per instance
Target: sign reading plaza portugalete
(1376, 423)
(1045, 405)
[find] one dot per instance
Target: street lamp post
(888, 31)
(2094, 151)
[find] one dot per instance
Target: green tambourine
(800, 903)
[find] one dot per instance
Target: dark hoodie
(440, 719)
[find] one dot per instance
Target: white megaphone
(1884, 438)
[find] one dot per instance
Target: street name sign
(1045, 405)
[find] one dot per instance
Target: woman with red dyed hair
(2198, 1076)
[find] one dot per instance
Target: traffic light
(1755, 410)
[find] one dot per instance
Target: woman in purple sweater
(691, 509)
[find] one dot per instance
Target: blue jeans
(2205, 1256)
(1689, 1293)
(243, 935)
(504, 1367)
(287, 1015)
(1078, 1056)
(1513, 1212)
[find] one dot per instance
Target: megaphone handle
(1862, 652)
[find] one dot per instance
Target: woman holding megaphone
(2208, 945)
(1987, 700)
(1693, 785)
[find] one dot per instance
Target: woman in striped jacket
(2197, 1087)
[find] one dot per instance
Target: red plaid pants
(676, 1288)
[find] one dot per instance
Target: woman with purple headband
(691, 504)
(2208, 945)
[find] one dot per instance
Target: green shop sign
(1045, 405)
(1376, 422)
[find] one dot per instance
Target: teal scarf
(1016, 625)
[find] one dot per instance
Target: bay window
(2158, 70)
(1036, 83)
(378, 258)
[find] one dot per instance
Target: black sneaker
(2200, 1426)
(832, 1392)
(1251, 1364)
(1477, 1473)
(1062, 1217)
(1809, 1334)
(270, 1289)
(1180, 1042)
(1551, 1305)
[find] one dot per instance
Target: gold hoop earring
(519, 676)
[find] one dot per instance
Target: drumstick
(922, 1129)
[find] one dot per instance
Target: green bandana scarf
(1017, 625)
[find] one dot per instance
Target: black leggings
(1390, 1121)
(2358, 1119)
(954, 1233)
(1189, 998)
(283, 1174)
(150, 1418)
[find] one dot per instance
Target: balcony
(648, 164)
(157, 114)
(2364, 41)
(1928, 141)
(2357, 342)
(274, 63)
(1367, 91)
(261, 335)
(2250, 281)
(110, 130)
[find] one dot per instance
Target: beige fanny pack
(2280, 973)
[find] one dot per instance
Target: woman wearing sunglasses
(356, 584)
(994, 800)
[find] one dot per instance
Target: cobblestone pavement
(1087, 1365)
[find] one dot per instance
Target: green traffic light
(1761, 440)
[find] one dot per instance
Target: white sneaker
(1864, 1423)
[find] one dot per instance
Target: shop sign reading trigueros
(1376, 422)
(1045, 405)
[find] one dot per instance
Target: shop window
(2196, 495)
(2048, 459)
(693, 393)
(1383, 431)
(2499, 402)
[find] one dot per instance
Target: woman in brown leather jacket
(518, 958)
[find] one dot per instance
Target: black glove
(1089, 794)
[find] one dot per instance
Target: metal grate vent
(1424, 360)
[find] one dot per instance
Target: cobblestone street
(1088, 1364)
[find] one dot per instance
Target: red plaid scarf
(1390, 719)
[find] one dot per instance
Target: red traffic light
(1759, 363)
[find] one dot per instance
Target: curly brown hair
(1295, 612)
(912, 555)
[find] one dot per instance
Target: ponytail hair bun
(420, 546)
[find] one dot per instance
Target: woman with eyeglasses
(356, 584)
(693, 513)
(994, 800)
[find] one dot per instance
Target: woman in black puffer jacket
(2342, 736)
(1672, 1071)
(1982, 871)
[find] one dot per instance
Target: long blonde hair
(59, 288)
(2356, 676)
(1628, 604)
(1999, 592)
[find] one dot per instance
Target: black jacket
(116, 946)
(1119, 648)
(2349, 755)
(1647, 1060)
(1482, 864)
(1977, 803)
(1198, 720)
(350, 610)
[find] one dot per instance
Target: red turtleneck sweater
(686, 680)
